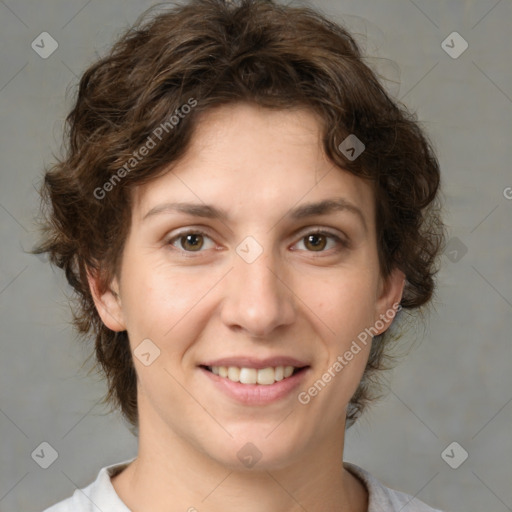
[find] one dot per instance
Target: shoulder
(100, 494)
(381, 497)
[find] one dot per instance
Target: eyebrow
(324, 207)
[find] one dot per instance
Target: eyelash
(343, 244)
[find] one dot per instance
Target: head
(250, 108)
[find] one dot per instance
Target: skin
(296, 299)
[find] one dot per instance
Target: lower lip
(257, 394)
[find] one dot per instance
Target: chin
(256, 452)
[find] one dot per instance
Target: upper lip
(253, 362)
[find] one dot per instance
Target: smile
(256, 386)
(244, 375)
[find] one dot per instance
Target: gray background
(455, 384)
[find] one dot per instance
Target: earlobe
(388, 303)
(107, 302)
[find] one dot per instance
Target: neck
(170, 474)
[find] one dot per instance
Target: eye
(317, 241)
(191, 241)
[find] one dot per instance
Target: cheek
(160, 301)
(345, 309)
(344, 313)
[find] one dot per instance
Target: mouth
(251, 386)
(261, 376)
(255, 381)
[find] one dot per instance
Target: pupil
(192, 241)
(318, 244)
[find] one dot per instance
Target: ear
(389, 297)
(108, 302)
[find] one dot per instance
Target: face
(270, 262)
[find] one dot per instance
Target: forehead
(252, 159)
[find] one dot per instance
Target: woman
(243, 212)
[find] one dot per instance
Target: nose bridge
(258, 301)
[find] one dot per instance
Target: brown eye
(315, 241)
(192, 241)
(322, 241)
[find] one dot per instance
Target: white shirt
(100, 495)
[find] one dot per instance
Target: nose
(258, 300)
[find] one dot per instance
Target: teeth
(265, 376)
(234, 373)
(288, 370)
(247, 376)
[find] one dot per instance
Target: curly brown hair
(214, 52)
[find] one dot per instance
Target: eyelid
(300, 235)
(341, 239)
(188, 231)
